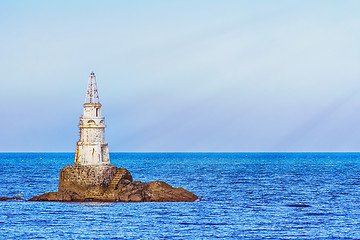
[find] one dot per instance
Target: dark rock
(298, 205)
(111, 184)
(159, 191)
(61, 196)
(9, 199)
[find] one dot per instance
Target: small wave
(316, 214)
(201, 223)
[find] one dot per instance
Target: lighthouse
(92, 178)
(91, 149)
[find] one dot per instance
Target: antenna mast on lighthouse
(92, 95)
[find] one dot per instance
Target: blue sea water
(244, 196)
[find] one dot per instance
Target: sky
(182, 76)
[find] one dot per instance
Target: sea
(243, 196)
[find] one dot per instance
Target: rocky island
(93, 178)
(110, 184)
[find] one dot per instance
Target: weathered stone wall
(87, 181)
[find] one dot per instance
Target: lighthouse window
(97, 112)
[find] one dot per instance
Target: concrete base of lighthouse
(87, 181)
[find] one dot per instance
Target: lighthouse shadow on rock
(93, 178)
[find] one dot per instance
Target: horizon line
(189, 152)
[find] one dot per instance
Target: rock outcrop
(111, 184)
(11, 198)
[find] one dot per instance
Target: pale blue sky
(182, 75)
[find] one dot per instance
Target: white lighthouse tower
(92, 149)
